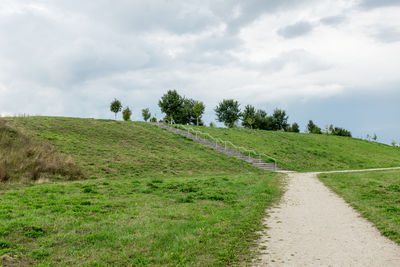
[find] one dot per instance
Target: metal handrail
(217, 140)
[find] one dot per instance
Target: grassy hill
(375, 194)
(311, 152)
(149, 197)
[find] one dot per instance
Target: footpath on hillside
(312, 226)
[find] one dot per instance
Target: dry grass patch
(24, 159)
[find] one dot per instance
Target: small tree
(146, 114)
(312, 128)
(126, 114)
(154, 119)
(171, 104)
(248, 116)
(115, 107)
(375, 137)
(394, 143)
(228, 112)
(198, 110)
(279, 120)
(251, 121)
(295, 128)
(212, 124)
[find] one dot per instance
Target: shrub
(146, 114)
(154, 119)
(312, 128)
(126, 114)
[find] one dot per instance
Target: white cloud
(73, 57)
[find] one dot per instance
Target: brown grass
(24, 159)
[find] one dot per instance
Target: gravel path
(314, 227)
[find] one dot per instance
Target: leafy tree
(279, 120)
(341, 132)
(375, 137)
(212, 124)
(198, 110)
(177, 108)
(295, 128)
(171, 104)
(312, 128)
(317, 130)
(228, 112)
(187, 115)
(115, 107)
(394, 143)
(126, 114)
(338, 131)
(146, 114)
(249, 116)
(154, 119)
(262, 121)
(250, 121)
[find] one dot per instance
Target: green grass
(151, 198)
(108, 148)
(311, 152)
(375, 194)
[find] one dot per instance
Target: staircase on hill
(259, 163)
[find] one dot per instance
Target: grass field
(150, 198)
(375, 194)
(311, 152)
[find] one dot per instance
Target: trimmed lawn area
(150, 197)
(311, 152)
(375, 194)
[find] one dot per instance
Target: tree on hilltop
(249, 116)
(146, 114)
(126, 114)
(279, 120)
(198, 110)
(171, 104)
(115, 107)
(228, 112)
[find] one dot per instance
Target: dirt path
(314, 227)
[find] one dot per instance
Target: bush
(146, 114)
(312, 128)
(126, 114)
(294, 128)
(154, 119)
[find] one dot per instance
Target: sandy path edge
(312, 226)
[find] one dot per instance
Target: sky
(331, 61)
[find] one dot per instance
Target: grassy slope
(311, 152)
(23, 158)
(375, 194)
(158, 198)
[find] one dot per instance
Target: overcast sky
(331, 61)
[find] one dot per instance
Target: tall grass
(23, 158)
